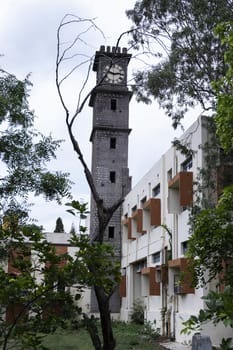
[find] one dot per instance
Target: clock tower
(110, 101)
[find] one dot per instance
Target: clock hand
(116, 73)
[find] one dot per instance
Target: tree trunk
(109, 342)
(90, 324)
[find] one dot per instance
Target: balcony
(128, 223)
(183, 278)
(153, 207)
(180, 191)
(161, 273)
(137, 216)
(154, 286)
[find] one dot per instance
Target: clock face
(113, 74)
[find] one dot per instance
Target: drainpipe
(174, 319)
(164, 286)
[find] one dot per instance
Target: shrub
(137, 315)
(150, 330)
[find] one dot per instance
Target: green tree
(59, 226)
(72, 229)
(24, 151)
(31, 299)
(214, 256)
(24, 154)
(186, 55)
(224, 89)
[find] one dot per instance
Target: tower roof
(108, 51)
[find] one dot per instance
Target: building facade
(155, 240)
(110, 131)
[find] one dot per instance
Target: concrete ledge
(174, 346)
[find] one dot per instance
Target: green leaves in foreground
(210, 254)
(224, 89)
(94, 263)
(211, 246)
(219, 308)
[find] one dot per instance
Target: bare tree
(67, 53)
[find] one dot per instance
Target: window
(141, 265)
(112, 142)
(177, 284)
(156, 258)
(134, 208)
(113, 104)
(169, 175)
(143, 201)
(156, 190)
(111, 232)
(112, 176)
(184, 247)
(187, 164)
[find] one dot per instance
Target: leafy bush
(150, 330)
(137, 315)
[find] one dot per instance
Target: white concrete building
(154, 240)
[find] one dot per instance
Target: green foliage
(128, 336)
(94, 262)
(35, 272)
(211, 242)
(13, 100)
(168, 230)
(137, 314)
(79, 208)
(183, 148)
(191, 325)
(224, 89)
(216, 223)
(226, 344)
(150, 330)
(215, 256)
(186, 55)
(59, 225)
(34, 300)
(24, 151)
(73, 230)
(219, 308)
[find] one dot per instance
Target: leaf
(71, 211)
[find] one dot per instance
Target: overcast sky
(28, 43)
